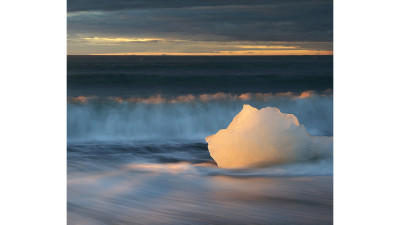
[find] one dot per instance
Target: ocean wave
(185, 158)
(317, 168)
(185, 117)
(178, 157)
(220, 96)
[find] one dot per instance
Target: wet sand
(148, 196)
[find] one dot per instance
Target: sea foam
(257, 138)
(94, 118)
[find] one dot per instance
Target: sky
(200, 27)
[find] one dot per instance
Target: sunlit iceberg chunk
(264, 137)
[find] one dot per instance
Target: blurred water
(179, 183)
(177, 75)
(121, 119)
(148, 194)
(136, 148)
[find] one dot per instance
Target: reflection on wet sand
(147, 194)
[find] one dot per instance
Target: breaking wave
(220, 96)
(185, 117)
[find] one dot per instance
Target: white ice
(258, 138)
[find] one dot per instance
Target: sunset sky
(206, 27)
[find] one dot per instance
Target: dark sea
(136, 131)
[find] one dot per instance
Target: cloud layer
(218, 21)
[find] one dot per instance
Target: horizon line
(190, 55)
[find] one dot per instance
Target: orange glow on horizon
(267, 46)
(227, 53)
(123, 39)
(158, 46)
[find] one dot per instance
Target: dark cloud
(111, 5)
(308, 20)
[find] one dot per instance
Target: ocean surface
(136, 131)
